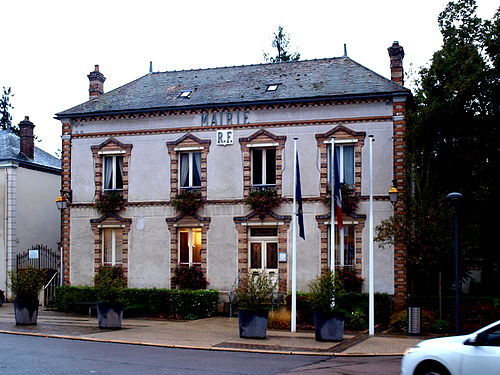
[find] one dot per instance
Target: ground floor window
(112, 245)
(344, 246)
(190, 246)
(264, 249)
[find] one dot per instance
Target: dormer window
(272, 87)
(185, 94)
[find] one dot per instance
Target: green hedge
(185, 304)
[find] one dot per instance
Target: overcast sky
(49, 47)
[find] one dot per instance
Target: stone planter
(328, 327)
(109, 315)
(253, 323)
(26, 311)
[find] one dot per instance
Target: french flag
(337, 194)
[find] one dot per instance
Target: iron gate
(40, 256)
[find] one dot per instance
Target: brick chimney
(396, 54)
(96, 83)
(27, 145)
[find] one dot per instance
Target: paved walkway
(218, 333)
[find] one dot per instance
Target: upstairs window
(190, 170)
(113, 172)
(263, 166)
(345, 157)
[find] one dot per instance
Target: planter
(328, 327)
(253, 323)
(109, 315)
(26, 311)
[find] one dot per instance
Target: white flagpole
(332, 206)
(293, 323)
(371, 299)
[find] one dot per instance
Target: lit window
(344, 250)
(345, 157)
(190, 246)
(190, 173)
(264, 166)
(112, 246)
(185, 94)
(272, 87)
(113, 172)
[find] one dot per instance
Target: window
(112, 245)
(264, 166)
(185, 94)
(345, 157)
(190, 246)
(113, 172)
(344, 250)
(190, 172)
(272, 87)
(264, 249)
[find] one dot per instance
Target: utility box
(414, 318)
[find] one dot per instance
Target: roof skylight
(272, 87)
(186, 94)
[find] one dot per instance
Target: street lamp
(62, 203)
(62, 200)
(455, 199)
(393, 195)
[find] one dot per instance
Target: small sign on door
(224, 137)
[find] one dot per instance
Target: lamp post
(455, 199)
(62, 203)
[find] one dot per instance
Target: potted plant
(109, 201)
(188, 202)
(109, 282)
(325, 296)
(262, 201)
(254, 302)
(26, 284)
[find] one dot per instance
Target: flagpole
(293, 323)
(371, 299)
(332, 206)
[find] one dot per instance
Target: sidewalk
(218, 333)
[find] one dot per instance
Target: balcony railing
(262, 187)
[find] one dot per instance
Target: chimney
(396, 54)
(96, 83)
(27, 145)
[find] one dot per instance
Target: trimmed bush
(168, 303)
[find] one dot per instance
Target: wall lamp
(63, 199)
(393, 194)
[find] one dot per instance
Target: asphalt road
(39, 355)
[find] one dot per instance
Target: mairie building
(225, 133)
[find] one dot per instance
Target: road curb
(207, 348)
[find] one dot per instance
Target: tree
(452, 145)
(6, 118)
(280, 42)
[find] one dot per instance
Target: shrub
(189, 278)
(349, 280)
(279, 319)
(256, 292)
(109, 281)
(399, 321)
(326, 292)
(26, 283)
(109, 201)
(146, 302)
(440, 326)
(188, 202)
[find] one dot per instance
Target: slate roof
(239, 85)
(9, 151)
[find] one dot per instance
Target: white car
(474, 354)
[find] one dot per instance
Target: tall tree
(5, 116)
(452, 145)
(280, 42)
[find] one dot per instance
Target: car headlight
(413, 349)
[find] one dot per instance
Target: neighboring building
(225, 132)
(30, 181)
